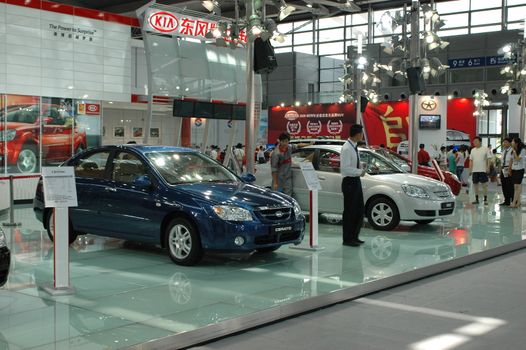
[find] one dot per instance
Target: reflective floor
(126, 294)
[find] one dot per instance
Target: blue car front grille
(274, 214)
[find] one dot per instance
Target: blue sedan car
(177, 198)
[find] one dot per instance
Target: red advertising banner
(460, 117)
(386, 123)
(321, 120)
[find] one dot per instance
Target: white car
(390, 194)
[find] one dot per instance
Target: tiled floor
(127, 293)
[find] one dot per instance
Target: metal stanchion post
(11, 222)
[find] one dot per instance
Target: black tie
(357, 156)
(504, 160)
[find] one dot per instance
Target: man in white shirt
(505, 172)
(479, 169)
(351, 170)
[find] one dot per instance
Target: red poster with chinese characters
(316, 121)
(386, 123)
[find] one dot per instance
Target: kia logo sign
(93, 108)
(292, 115)
(163, 22)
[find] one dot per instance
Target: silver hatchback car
(390, 193)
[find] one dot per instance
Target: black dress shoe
(359, 241)
(351, 244)
(505, 204)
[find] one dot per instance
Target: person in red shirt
(423, 156)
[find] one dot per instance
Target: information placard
(310, 176)
(59, 187)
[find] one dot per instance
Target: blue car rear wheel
(183, 242)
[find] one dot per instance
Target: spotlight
(297, 104)
(282, 104)
(309, 103)
(285, 10)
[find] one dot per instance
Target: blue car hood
(238, 193)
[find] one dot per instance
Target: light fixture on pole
(285, 10)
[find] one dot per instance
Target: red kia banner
(321, 120)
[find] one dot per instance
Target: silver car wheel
(180, 241)
(382, 214)
(27, 161)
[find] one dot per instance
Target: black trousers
(353, 208)
(507, 188)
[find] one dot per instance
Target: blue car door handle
(110, 189)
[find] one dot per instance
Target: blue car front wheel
(183, 242)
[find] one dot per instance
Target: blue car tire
(49, 228)
(183, 242)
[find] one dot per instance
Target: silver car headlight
(415, 191)
(7, 135)
(232, 213)
(297, 209)
(3, 242)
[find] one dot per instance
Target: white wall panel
(115, 96)
(86, 58)
(61, 64)
(57, 83)
(57, 73)
(47, 16)
(88, 22)
(12, 39)
(23, 21)
(109, 70)
(18, 89)
(44, 53)
(25, 60)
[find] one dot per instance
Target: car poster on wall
(20, 129)
(62, 136)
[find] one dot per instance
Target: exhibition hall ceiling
(320, 8)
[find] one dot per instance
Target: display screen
(204, 109)
(240, 112)
(223, 111)
(427, 121)
(183, 108)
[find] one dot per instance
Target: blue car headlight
(232, 213)
(297, 208)
(3, 242)
(415, 191)
(7, 135)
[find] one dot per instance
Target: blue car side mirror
(248, 178)
(142, 181)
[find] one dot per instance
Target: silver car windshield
(378, 165)
(189, 167)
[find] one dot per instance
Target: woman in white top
(517, 170)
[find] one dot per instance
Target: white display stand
(313, 183)
(60, 193)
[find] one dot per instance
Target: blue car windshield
(189, 167)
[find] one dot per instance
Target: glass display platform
(130, 295)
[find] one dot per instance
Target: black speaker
(264, 58)
(415, 80)
(513, 135)
(363, 103)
